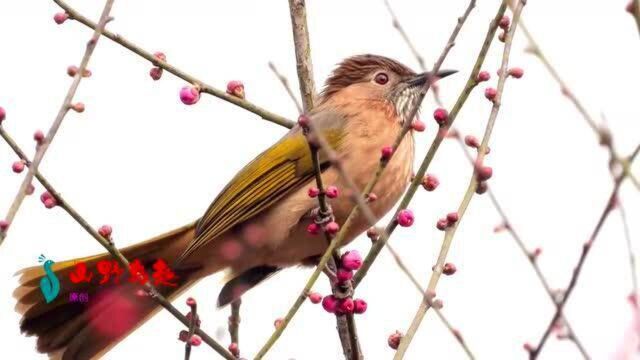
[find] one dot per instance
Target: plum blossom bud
(442, 224)
(195, 340)
(330, 304)
(484, 173)
(332, 192)
(359, 306)
(371, 197)
(345, 306)
(313, 192)
(3, 114)
(315, 298)
(313, 229)
(418, 125)
(235, 88)
(303, 120)
(471, 141)
(234, 349)
(160, 55)
(18, 166)
(528, 347)
(155, 73)
(437, 304)
(332, 228)
(78, 107)
(452, 218)
(449, 269)
(394, 340)
(190, 301)
(504, 23)
(60, 17)
(38, 136)
(430, 182)
(483, 76)
(4, 225)
(387, 151)
(105, 231)
(344, 275)
(278, 322)
(351, 260)
(503, 36)
(72, 70)
(405, 218)
(189, 95)
(490, 93)
(30, 189)
(182, 335)
(440, 115)
(373, 234)
(48, 200)
(482, 188)
(516, 72)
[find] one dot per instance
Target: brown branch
(611, 202)
(110, 247)
(193, 324)
(636, 12)
(473, 184)
(234, 321)
(64, 108)
(205, 88)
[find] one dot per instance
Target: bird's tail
(88, 318)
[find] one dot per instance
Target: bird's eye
(381, 78)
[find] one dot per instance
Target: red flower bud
(483, 76)
(332, 228)
(235, 88)
(234, 349)
(484, 173)
(504, 23)
(78, 107)
(3, 114)
(405, 218)
(418, 125)
(452, 218)
(315, 298)
(155, 73)
(490, 93)
(373, 234)
(471, 141)
(48, 200)
(38, 136)
(394, 340)
(359, 306)
(278, 322)
(160, 55)
(430, 182)
(442, 224)
(344, 275)
(440, 115)
(18, 166)
(60, 17)
(482, 188)
(190, 301)
(387, 151)
(313, 192)
(313, 229)
(105, 231)
(72, 70)
(4, 225)
(449, 269)
(332, 192)
(345, 306)
(330, 304)
(195, 340)
(189, 95)
(516, 72)
(351, 260)
(303, 120)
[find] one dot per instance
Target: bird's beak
(421, 79)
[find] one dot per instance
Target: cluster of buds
(156, 71)
(192, 317)
(504, 24)
(349, 262)
(483, 173)
(448, 221)
(72, 71)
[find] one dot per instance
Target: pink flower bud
(345, 306)
(60, 17)
(430, 182)
(235, 88)
(394, 340)
(482, 188)
(373, 234)
(160, 55)
(38, 136)
(418, 125)
(195, 340)
(330, 304)
(78, 107)
(484, 173)
(490, 93)
(483, 76)
(371, 197)
(191, 302)
(442, 224)
(182, 335)
(30, 189)
(504, 23)
(503, 36)
(516, 72)
(105, 231)
(313, 229)
(3, 114)
(189, 95)
(351, 260)
(359, 306)
(278, 322)
(405, 218)
(234, 349)
(315, 298)
(440, 115)
(313, 192)
(449, 269)
(452, 218)
(48, 200)
(471, 141)
(332, 228)
(4, 225)
(387, 151)
(437, 304)
(304, 121)
(72, 70)
(155, 73)
(344, 275)
(18, 167)
(332, 192)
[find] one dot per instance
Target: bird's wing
(278, 171)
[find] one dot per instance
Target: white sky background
(140, 160)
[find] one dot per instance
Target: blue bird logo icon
(49, 285)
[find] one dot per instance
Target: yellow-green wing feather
(278, 171)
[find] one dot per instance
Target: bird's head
(381, 79)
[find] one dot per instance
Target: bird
(257, 225)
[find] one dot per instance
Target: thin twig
(234, 321)
(285, 83)
(263, 113)
(64, 108)
(473, 184)
(110, 247)
(611, 202)
(193, 324)
(632, 256)
(636, 13)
